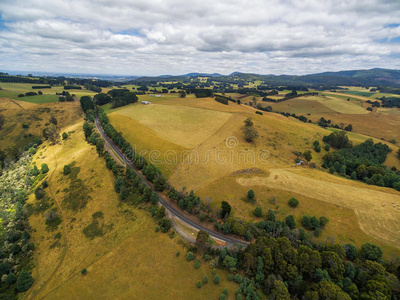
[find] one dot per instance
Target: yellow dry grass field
(167, 122)
(18, 113)
(301, 105)
(343, 226)
(342, 106)
(129, 261)
(376, 209)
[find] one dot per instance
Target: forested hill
(373, 77)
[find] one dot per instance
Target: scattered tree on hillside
(51, 133)
(293, 202)
(64, 135)
(226, 209)
(307, 155)
(100, 146)
(349, 127)
(250, 133)
(53, 120)
(45, 168)
(2, 120)
(24, 281)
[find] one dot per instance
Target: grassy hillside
(24, 121)
(123, 254)
(342, 201)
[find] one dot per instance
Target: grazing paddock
(301, 105)
(166, 121)
(381, 222)
(39, 99)
(342, 106)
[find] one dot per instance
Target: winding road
(172, 211)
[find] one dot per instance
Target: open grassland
(360, 93)
(145, 140)
(381, 222)
(167, 122)
(343, 225)
(125, 258)
(18, 113)
(342, 106)
(303, 105)
(345, 96)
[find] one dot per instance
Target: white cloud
(145, 37)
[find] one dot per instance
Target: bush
(238, 278)
(64, 136)
(197, 264)
(67, 170)
(24, 281)
(84, 271)
(39, 193)
(45, 184)
(258, 212)
(327, 147)
(199, 284)
(189, 256)
(293, 202)
(45, 168)
(216, 279)
(205, 280)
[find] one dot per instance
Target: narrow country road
(174, 212)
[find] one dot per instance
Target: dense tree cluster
(338, 140)
(285, 268)
(15, 247)
(363, 162)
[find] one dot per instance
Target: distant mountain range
(372, 77)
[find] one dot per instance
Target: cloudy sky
(154, 37)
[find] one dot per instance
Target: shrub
(39, 193)
(199, 284)
(177, 253)
(45, 168)
(327, 147)
(258, 211)
(230, 277)
(189, 256)
(64, 136)
(238, 278)
(205, 280)
(290, 222)
(222, 297)
(67, 170)
(293, 202)
(24, 281)
(216, 279)
(84, 271)
(197, 264)
(45, 184)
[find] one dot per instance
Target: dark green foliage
(205, 279)
(86, 103)
(293, 202)
(323, 221)
(290, 222)
(258, 211)
(307, 155)
(226, 209)
(84, 271)
(67, 170)
(271, 215)
(351, 251)
(251, 195)
(199, 284)
(216, 279)
(24, 281)
(197, 264)
(327, 147)
(44, 168)
(189, 256)
(338, 140)
(363, 162)
(371, 252)
(165, 225)
(39, 193)
(349, 127)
